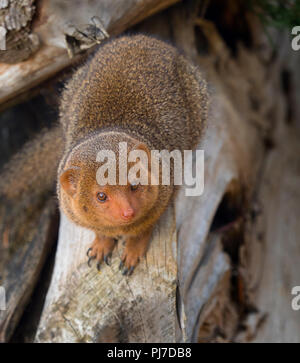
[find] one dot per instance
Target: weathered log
(52, 23)
(276, 235)
(26, 239)
(17, 42)
(104, 306)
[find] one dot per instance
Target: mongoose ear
(69, 179)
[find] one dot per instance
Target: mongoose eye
(101, 197)
(134, 186)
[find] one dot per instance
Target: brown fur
(142, 90)
(33, 170)
(136, 89)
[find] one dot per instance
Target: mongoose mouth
(117, 221)
(125, 222)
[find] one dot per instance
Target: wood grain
(50, 25)
(21, 263)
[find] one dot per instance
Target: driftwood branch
(48, 33)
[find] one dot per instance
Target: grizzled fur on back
(139, 85)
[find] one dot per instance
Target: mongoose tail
(32, 171)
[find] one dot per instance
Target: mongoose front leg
(135, 248)
(101, 250)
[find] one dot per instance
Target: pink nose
(128, 213)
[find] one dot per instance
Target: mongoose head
(95, 205)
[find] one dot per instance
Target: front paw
(129, 261)
(134, 250)
(101, 250)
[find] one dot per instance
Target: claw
(130, 270)
(98, 265)
(90, 259)
(125, 271)
(121, 265)
(107, 259)
(88, 251)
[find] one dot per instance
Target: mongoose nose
(128, 213)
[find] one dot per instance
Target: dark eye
(101, 197)
(134, 186)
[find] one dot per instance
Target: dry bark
(25, 244)
(17, 42)
(54, 20)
